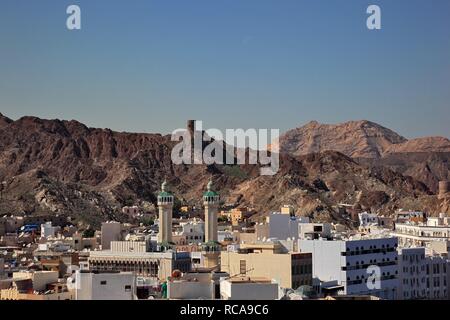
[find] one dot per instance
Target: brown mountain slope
(362, 139)
(426, 144)
(426, 159)
(66, 167)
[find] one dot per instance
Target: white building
(147, 264)
(402, 216)
(193, 230)
(245, 288)
(104, 285)
(111, 231)
(47, 230)
(283, 226)
(313, 231)
(350, 264)
(424, 274)
(412, 276)
(421, 234)
(366, 219)
(438, 276)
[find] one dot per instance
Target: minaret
(211, 202)
(165, 206)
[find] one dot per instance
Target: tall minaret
(165, 206)
(211, 202)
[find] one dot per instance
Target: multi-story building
(412, 276)
(424, 274)
(283, 226)
(437, 276)
(402, 216)
(193, 231)
(269, 260)
(111, 231)
(352, 265)
(371, 221)
(422, 233)
(158, 265)
(366, 218)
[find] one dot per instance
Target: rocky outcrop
(66, 167)
(363, 139)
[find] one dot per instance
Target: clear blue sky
(148, 66)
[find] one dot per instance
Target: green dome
(210, 192)
(164, 192)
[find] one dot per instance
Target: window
(103, 282)
(243, 267)
(128, 288)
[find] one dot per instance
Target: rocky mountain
(426, 159)
(421, 145)
(358, 139)
(65, 167)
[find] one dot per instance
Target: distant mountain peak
(361, 138)
(357, 139)
(4, 120)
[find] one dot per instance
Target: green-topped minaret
(211, 202)
(165, 206)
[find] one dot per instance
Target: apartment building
(147, 264)
(437, 276)
(424, 273)
(246, 288)
(420, 234)
(269, 260)
(412, 277)
(111, 231)
(351, 265)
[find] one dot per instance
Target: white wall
(104, 286)
(190, 290)
(110, 232)
(283, 226)
(346, 263)
(248, 291)
(412, 273)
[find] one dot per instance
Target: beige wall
(13, 294)
(40, 278)
(269, 265)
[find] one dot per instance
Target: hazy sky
(148, 66)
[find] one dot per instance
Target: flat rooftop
(242, 280)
